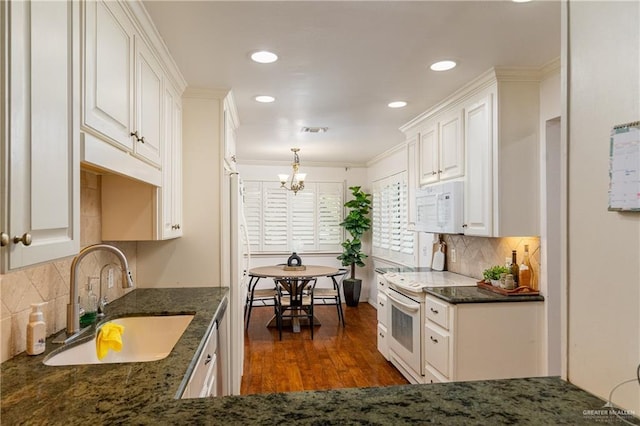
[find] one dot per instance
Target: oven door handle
(412, 307)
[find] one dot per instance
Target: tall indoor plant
(356, 223)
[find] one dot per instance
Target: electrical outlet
(110, 278)
(454, 258)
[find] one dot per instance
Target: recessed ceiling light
(521, 1)
(264, 57)
(265, 99)
(397, 104)
(443, 65)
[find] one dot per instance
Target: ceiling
(341, 62)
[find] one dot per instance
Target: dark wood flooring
(337, 357)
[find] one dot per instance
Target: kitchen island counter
(144, 393)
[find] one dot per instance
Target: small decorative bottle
(525, 273)
(514, 268)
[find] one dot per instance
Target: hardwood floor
(337, 357)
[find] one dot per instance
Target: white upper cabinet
(428, 149)
(478, 206)
(109, 72)
(230, 119)
(501, 137)
(442, 148)
(486, 134)
(122, 93)
(412, 178)
(171, 190)
(451, 146)
(148, 105)
(40, 214)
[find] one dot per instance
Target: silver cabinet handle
(24, 239)
(4, 239)
(433, 340)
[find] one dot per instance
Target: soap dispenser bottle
(36, 330)
(90, 305)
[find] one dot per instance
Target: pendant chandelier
(296, 183)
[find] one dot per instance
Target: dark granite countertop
(474, 294)
(35, 393)
(143, 393)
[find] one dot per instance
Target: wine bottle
(514, 268)
(525, 273)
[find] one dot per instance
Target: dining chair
(294, 301)
(257, 298)
(331, 296)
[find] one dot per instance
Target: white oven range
(407, 317)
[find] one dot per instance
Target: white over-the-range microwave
(440, 208)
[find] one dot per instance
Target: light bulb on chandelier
(297, 179)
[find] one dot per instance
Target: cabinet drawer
(430, 376)
(383, 345)
(438, 312)
(383, 309)
(437, 350)
(382, 284)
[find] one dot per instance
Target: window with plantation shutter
(277, 217)
(391, 238)
(253, 212)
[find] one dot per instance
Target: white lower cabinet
(383, 316)
(481, 341)
(383, 343)
(204, 377)
(437, 349)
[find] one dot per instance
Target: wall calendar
(624, 167)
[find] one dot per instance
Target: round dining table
(293, 277)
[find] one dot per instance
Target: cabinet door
(171, 191)
(148, 103)
(428, 151)
(108, 70)
(42, 165)
(478, 199)
(412, 177)
(451, 146)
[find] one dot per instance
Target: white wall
(194, 259)
(604, 247)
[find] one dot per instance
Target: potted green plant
(356, 223)
(494, 274)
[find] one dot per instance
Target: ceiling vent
(314, 129)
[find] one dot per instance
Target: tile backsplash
(49, 282)
(475, 254)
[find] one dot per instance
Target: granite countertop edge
(475, 294)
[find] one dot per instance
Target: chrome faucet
(73, 308)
